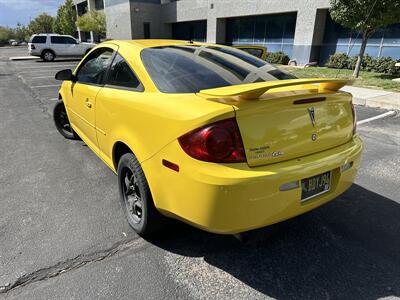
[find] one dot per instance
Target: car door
(114, 102)
(72, 48)
(89, 78)
(57, 44)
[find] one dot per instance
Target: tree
(6, 34)
(21, 32)
(92, 21)
(41, 24)
(365, 16)
(64, 22)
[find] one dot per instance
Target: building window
(99, 4)
(384, 42)
(190, 31)
(276, 32)
(146, 30)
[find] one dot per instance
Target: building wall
(118, 19)
(148, 12)
(217, 12)
(301, 28)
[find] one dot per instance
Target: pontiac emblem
(311, 112)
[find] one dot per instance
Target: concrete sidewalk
(374, 98)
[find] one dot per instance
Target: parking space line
(43, 86)
(37, 77)
(45, 67)
(53, 99)
(386, 114)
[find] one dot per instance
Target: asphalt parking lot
(63, 234)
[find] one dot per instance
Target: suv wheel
(48, 55)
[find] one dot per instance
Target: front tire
(48, 55)
(136, 199)
(62, 122)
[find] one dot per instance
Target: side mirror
(65, 75)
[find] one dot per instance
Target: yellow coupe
(209, 134)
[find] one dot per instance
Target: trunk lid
(290, 121)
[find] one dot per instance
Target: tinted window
(255, 52)
(70, 40)
(120, 74)
(62, 40)
(94, 68)
(174, 70)
(39, 39)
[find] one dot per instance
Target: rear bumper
(233, 198)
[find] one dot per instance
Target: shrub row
(384, 65)
(277, 58)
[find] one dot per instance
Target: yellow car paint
(221, 198)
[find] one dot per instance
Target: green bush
(338, 61)
(278, 58)
(385, 65)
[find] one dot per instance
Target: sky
(14, 11)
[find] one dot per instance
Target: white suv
(50, 46)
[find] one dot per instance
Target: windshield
(189, 69)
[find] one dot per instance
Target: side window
(70, 41)
(57, 40)
(121, 74)
(94, 68)
(256, 52)
(39, 39)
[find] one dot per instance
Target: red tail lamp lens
(218, 142)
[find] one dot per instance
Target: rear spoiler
(255, 90)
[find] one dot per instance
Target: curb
(374, 98)
(385, 102)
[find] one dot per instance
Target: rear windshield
(39, 40)
(189, 69)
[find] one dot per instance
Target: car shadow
(347, 249)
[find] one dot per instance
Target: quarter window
(94, 68)
(121, 74)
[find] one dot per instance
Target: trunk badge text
(314, 137)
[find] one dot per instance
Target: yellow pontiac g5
(209, 134)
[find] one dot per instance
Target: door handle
(88, 103)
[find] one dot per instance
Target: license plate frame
(317, 188)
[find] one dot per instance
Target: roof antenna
(190, 41)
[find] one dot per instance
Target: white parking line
(45, 67)
(53, 99)
(43, 86)
(37, 77)
(386, 114)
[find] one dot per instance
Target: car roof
(51, 34)
(149, 43)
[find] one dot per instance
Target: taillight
(33, 47)
(219, 142)
(353, 112)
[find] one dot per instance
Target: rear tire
(48, 55)
(136, 199)
(62, 123)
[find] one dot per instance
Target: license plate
(315, 185)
